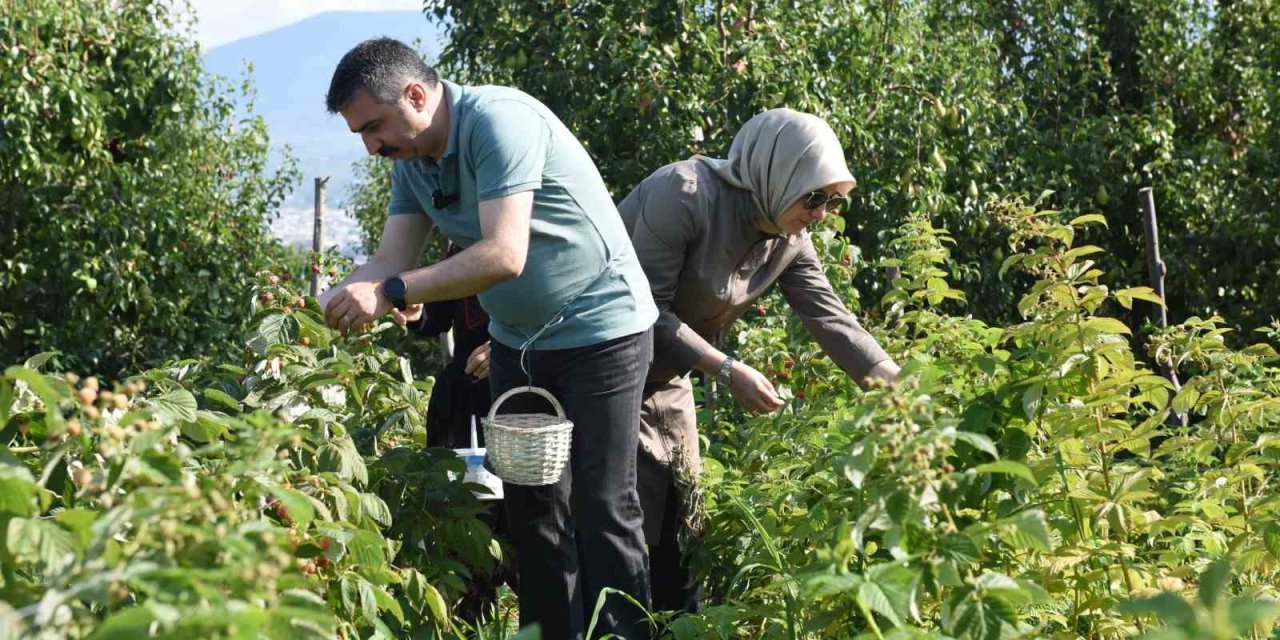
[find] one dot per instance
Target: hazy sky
(222, 21)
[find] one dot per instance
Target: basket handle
(493, 411)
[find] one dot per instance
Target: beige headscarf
(779, 156)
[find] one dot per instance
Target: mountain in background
(292, 67)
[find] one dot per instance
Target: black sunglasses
(815, 199)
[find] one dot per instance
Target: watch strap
(394, 289)
(725, 374)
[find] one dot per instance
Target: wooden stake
(317, 236)
(711, 399)
(1157, 269)
(891, 273)
(1155, 264)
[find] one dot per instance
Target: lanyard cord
(526, 358)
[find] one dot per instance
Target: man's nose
(371, 144)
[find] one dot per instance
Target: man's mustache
(387, 152)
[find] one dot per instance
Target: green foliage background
(940, 104)
(135, 194)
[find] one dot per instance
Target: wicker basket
(528, 449)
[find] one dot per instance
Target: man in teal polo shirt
(570, 307)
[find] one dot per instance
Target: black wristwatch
(393, 288)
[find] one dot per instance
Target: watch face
(394, 290)
(725, 374)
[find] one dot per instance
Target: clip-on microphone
(439, 200)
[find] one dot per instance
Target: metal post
(317, 237)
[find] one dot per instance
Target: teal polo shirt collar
(453, 94)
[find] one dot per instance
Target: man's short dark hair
(381, 67)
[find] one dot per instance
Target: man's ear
(416, 94)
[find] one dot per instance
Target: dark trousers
(674, 587)
(582, 534)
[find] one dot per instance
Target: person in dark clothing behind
(461, 391)
(462, 388)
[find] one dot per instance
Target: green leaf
(207, 427)
(222, 398)
(308, 550)
(6, 401)
(1031, 400)
(824, 585)
(341, 457)
(134, 622)
(1214, 582)
(175, 407)
(1008, 467)
(436, 604)
(413, 586)
(957, 548)
(343, 498)
(273, 330)
(296, 504)
(1080, 252)
(1271, 538)
(974, 615)
(303, 599)
(298, 623)
(349, 590)
(993, 581)
(17, 490)
(1088, 218)
(372, 507)
(1169, 608)
(1248, 613)
(39, 385)
(80, 523)
(320, 415)
(36, 362)
(1107, 325)
(367, 548)
(406, 372)
(1126, 296)
(887, 591)
(856, 465)
(37, 540)
(1027, 530)
(321, 336)
(388, 604)
(978, 441)
(1010, 262)
(1186, 399)
(368, 600)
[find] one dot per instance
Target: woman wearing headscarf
(713, 235)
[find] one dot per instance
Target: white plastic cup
(477, 474)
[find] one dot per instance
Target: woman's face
(799, 216)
